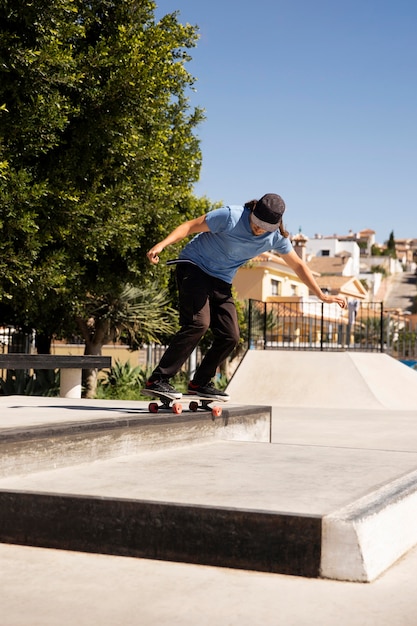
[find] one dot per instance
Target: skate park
(307, 480)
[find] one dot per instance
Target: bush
(40, 383)
(122, 382)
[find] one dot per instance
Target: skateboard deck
(196, 402)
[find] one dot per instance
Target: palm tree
(137, 315)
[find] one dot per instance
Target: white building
(335, 247)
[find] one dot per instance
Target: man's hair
(252, 204)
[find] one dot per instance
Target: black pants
(204, 302)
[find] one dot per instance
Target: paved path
(402, 291)
(53, 588)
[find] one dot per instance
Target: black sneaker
(163, 386)
(207, 391)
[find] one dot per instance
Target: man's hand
(153, 254)
(340, 300)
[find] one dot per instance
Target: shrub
(40, 383)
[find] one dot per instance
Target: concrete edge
(217, 536)
(38, 448)
(363, 539)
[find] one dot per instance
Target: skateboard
(168, 402)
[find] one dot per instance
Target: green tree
(98, 154)
(391, 251)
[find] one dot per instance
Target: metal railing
(291, 325)
(14, 340)
(298, 325)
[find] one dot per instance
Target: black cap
(268, 212)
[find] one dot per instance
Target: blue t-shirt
(230, 243)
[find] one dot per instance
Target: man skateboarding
(226, 238)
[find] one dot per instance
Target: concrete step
(257, 506)
(223, 537)
(39, 434)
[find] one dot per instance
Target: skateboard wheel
(216, 411)
(153, 407)
(177, 408)
(193, 406)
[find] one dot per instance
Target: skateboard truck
(176, 407)
(166, 404)
(204, 403)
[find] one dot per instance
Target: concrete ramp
(324, 380)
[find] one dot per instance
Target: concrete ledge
(357, 543)
(362, 540)
(255, 540)
(36, 448)
(275, 500)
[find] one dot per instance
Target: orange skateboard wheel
(216, 411)
(177, 408)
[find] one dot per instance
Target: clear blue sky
(313, 99)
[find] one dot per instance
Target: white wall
(316, 246)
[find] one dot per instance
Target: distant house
(265, 276)
(341, 248)
(366, 240)
(406, 252)
(349, 286)
(335, 276)
(335, 264)
(298, 318)
(268, 277)
(340, 265)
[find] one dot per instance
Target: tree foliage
(391, 250)
(98, 153)
(136, 315)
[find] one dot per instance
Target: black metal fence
(14, 340)
(293, 325)
(298, 325)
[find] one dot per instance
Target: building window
(293, 290)
(325, 253)
(275, 287)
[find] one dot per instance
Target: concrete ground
(42, 587)
(331, 455)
